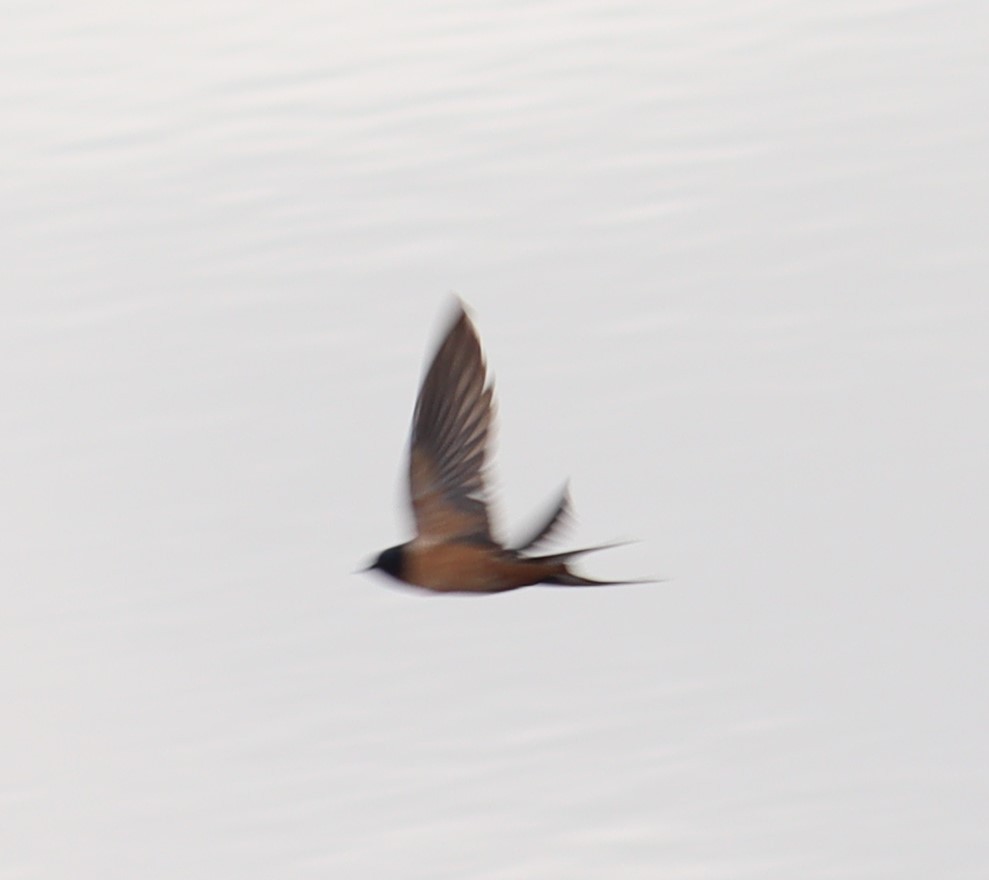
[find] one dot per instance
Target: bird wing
(448, 446)
(559, 516)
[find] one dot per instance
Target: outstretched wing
(558, 517)
(448, 447)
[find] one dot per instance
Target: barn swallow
(454, 550)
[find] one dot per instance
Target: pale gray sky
(729, 265)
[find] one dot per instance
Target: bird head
(390, 561)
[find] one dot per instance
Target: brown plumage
(454, 550)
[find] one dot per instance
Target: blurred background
(729, 264)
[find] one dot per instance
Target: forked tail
(566, 578)
(569, 579)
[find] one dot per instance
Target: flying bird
(454, 550)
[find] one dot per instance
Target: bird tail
(567, 555)
(563, 577)
(568, 579)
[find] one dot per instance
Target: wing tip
(459, 311)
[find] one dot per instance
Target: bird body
(454, 550)
(465, 567)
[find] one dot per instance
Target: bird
(454, 549)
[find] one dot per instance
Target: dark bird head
(390, 561)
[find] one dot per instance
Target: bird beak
(369, 567)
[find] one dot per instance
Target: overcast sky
(729, 264)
